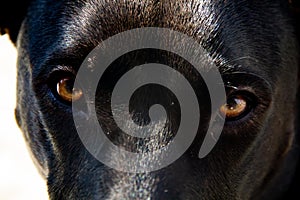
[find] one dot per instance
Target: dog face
(255, 47)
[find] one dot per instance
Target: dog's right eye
(66, 91)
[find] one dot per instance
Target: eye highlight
(65, 90)
(237, 106)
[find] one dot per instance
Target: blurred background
(19, 180)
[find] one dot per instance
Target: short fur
(255, 43)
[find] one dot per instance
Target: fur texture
(254, 43)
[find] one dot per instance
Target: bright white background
(19, 180)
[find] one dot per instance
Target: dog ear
(12, 14)
(294, 6)
(295, 10)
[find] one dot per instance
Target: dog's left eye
(66, 91)
(236, 107)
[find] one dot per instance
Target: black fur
(255, 44)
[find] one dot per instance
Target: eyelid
(250, 82)
(246, 77)
(63, 69)
(260, 93)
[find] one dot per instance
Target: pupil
(69, 86)
(233, 103)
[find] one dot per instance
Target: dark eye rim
(251, 103)
(54, 78)
(259, 92)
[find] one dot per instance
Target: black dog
(257, 154)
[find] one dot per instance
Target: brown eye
(66, 91)
(236, 106)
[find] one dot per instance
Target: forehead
(228, 29)
(99, 19)
(198, 17)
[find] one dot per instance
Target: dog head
(255, 46)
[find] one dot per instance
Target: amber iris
(235, 107)
(66, 91)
